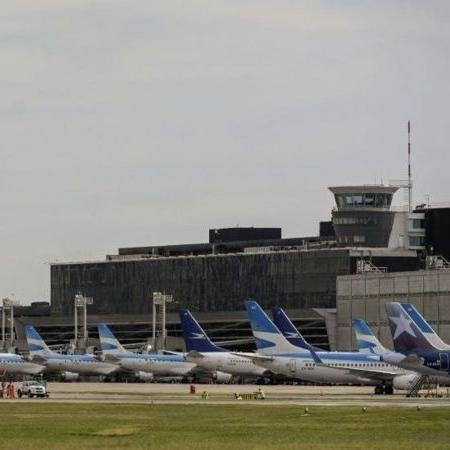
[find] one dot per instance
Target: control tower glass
(367, 200)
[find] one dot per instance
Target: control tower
(362, 216)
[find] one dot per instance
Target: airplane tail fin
(431, 336)
(36, 344)
(367, 342)
(406, 335)
(108, 342)
(284, 324)
(269, 339)
(194, 336)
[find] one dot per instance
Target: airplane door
(292, 365)
(444, 361)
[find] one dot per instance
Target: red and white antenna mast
(409, 169)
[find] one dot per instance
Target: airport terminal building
(365, 239)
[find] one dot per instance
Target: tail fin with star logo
(425, 327)
(406, 335)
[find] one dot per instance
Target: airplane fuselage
(434, 362)
(333, 369)
(229, 363)
(81, 364)
(160, 365)
(16, 364)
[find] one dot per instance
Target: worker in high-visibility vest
(261, 394)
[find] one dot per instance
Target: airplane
(12, 364)
(366, 342)
(70, 366)
(303, 362)
(417, 346)
(211, 357)
(144, 365)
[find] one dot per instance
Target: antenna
(409, 169)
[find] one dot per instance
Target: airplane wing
(254, 356)
(367, 373)
(413, 359)
(194, 354)
(399, 359)
(170, 352)
(108, 357)
(38, 359)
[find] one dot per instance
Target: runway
(164, 393)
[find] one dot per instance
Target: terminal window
(416, 241)
(355, 220)
(380, 200)
(416, 223)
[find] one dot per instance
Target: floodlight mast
(80, 301)
(160, 299)
(8, 305)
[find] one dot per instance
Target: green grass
(121, 426)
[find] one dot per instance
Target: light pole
(8, 305)
(159, 300)
(81, 301)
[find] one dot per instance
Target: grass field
(87, 426)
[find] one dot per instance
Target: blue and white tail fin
(406, 335)
(194, 336)
(366, 341)
(431, 336)
(108, 342)
(284, 324)
(36, 344)
(269, 339)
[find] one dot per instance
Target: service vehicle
(32, 389)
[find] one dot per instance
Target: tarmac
(222, 394)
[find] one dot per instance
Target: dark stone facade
(291, 279)
(294, 279)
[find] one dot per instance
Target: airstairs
(424, 382)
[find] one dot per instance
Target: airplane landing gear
(389, 390)
(379, 390)
(382, 389)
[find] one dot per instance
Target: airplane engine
(70, 376)
(405, 382)
(222, 377)
(144, 376)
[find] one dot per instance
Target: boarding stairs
(366, 266)
(424, 382)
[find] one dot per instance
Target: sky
(128, 123)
